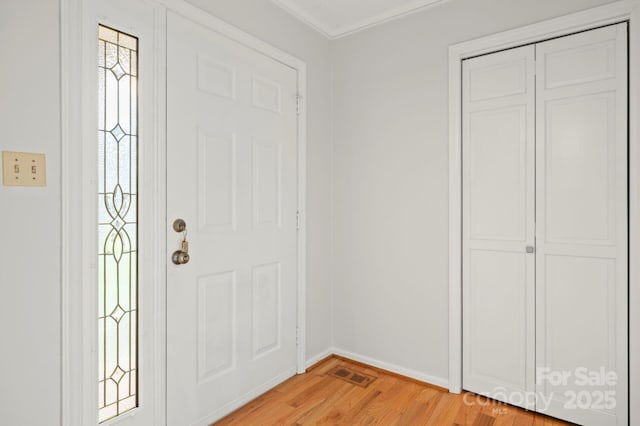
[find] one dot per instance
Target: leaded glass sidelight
(117, 222)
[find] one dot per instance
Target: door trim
(625, 10)
(79, 21)
(78, 29)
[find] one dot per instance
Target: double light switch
(23, 169)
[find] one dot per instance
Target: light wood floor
(317, 398)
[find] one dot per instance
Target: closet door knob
(530, 249)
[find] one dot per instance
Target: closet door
(498, 225)
(581, 261)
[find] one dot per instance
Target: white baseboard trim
(244, 399)
(437, 381)
(319, 357)
(248, 397)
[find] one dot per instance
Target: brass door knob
(180, 257)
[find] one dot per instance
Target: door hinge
(298, 97)
(298, 220)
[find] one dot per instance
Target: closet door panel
(580, 167)
(496, 343)
(578, 332)
(581, 229)
(497, 174)
(498, 179)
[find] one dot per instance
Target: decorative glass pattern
(117, 222)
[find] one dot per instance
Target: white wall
(30, 217)
(391, 176)
(268, 22)
(30, 253)
(390, 192)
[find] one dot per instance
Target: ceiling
(337, 18)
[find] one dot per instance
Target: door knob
(181, 257)
(530, 249)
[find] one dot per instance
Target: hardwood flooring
(319, 398)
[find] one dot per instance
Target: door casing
(626, 10)
(79, 20)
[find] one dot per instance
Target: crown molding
(333, 33)
(297, 12)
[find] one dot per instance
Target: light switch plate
(23, 169)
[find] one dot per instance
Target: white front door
(581, 232)
(232, 177)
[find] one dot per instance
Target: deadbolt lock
(179, 225)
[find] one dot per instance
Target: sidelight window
(117, 223)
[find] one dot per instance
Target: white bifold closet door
(498, 224)
(545, 249)
(581, 233)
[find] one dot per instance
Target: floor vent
(351, 376)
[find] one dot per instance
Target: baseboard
(248, 397)
(234, 405)
(412, 374)
(245, 399)
(319, 357)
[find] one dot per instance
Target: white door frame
(624, 10)
(78, 23)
